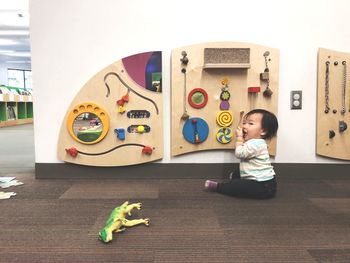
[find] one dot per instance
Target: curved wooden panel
(207, 66)
(115, 91)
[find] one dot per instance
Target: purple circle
(224, 105)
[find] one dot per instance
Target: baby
(256, 177)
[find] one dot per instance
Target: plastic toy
(72, 151)
(121, 109)
(147, 150)
(117, 221)
(120, 133)
(141, 128)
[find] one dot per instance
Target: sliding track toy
(145, 149)
(129, 89)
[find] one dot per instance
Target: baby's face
(252, 127)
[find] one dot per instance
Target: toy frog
(117, 221)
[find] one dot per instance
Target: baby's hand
(239, 132)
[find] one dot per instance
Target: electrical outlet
(296, 97)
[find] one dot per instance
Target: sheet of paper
(10, 183)
(6, 179)
(6, 195)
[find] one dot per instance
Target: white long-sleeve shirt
(255, 160)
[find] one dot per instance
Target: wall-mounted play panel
(333, 104)
(116, 117)
(212, 86)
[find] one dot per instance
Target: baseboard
(184, 171)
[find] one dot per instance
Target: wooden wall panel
(209, 79)
(95, 91)
(328, 123)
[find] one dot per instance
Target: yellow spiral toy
(224, 118)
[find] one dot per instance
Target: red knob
(147, 150)
(72, 152)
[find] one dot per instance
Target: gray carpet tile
(261, 254)
(329, 236)
(340, 186)
(333, 205)
(59, 255)
(331, 255)
(206, 255)
(112, 189)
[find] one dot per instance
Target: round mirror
(87, 127)
(88, 123)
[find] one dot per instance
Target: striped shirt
(255, 160)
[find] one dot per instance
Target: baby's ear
(263, 133)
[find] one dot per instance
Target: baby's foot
(210, 185)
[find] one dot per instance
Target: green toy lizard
(117, 222)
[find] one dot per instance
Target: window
(28, 79)
(19, 78)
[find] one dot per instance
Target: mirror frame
(88, 107)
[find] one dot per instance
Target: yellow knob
(121, 109)
(140, 129)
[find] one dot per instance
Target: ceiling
(14, 33)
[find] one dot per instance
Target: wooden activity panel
(116, 117)
(212, 86)
(333, 104)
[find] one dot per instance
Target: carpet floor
(59, 220)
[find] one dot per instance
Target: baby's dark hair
(269, 122)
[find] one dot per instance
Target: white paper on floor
(6, 179)
(10, 183)
(6, 195)
(6, 182)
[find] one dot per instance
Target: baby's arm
(243, 149)
(239, 137)
(246, 150)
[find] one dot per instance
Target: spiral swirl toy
(224, 118)
(224, 135)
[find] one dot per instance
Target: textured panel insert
(226, 55)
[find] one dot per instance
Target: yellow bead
(121, 109)
(140, 129)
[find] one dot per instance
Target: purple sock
(211, 185)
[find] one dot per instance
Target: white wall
(72, 40)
